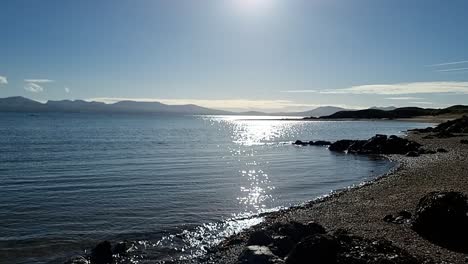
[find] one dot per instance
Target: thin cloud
(424, 103)
(38, 80)
(67, 90)
(3, 80)
(35, 85)
(404, 88)
(403, 98)
(33, 88)
(299, 91)
(447, 63)
(453, 70)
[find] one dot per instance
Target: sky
(268, 55)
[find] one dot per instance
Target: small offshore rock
(300, 143)
(256, 254)
(102, 253)
(319, 248)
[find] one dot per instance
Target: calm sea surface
(170, 185)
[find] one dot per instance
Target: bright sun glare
(253, 6)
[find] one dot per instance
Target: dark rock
(412, 154)
(77, 260)
(102, 253)
(464, 141)
(379, 144)
(311, 143)
(258, 255)
(442, 150)
(317, 248)
(422, 130)
(120, 249)
(299, 142)
(259, 237)
(401, 218)
(442, 218)
(389, 218)
(320, 143)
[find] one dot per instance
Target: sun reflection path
(249, 136)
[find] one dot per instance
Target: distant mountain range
(21, 104)
(25, 105)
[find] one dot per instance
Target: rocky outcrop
(379, 144)
(296, 243)
(442, 218)
(447, 129)
(459, 125)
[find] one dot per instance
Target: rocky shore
(414, 214)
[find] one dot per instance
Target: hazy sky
(237, 54)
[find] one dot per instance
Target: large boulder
(442, 218)
(319, 248)
(102, 253)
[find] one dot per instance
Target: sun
(253, 6)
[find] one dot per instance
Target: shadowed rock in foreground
(441, 217)
(295, 243)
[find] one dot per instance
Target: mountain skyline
(238, 55)
(26, 105)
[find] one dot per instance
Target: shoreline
(360, 210)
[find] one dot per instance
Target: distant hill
(21, 104)
(388, 108)
(403, 112)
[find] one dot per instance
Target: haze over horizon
(237, 55)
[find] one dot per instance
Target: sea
(170, 186)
